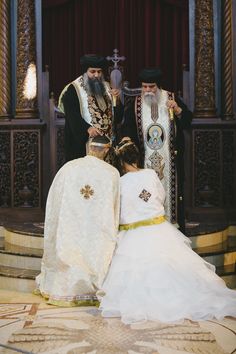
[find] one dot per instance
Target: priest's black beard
(95, 87)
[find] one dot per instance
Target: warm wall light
(30, 83)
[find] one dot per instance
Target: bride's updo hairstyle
(128, 152)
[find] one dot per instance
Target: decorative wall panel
(214, 168)
(26, 158)
(228, 168)
(5, 169)
(207, 174)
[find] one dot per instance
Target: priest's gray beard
(150, 98)
(96, 87)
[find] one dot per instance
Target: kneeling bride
(154, 274)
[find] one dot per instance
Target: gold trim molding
(227, 53)
(5, 59)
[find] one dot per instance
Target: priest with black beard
(87, 105)
(155, 122)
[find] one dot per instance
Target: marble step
(2, 231)
(31, 234)
(219, 254)
(228, 245)
(194, 229)
(2, 242)
(24, 235)
(208, 238)
(24, 279)
(21, 252)
(226, 270)
(17, 279)
(230, 280)
(30, 258)
(228, 274)
(221, 260)
(21, 261)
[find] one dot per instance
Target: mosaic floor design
(33, 328)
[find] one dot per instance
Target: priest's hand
(171, 104)
(125, 138)
(115, 92)
(92, 132)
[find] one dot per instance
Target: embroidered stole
(156, 133)
(90, 110)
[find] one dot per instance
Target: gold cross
(145, 195)
(87, 191)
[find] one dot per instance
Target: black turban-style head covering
(151, 76)
(92, 61)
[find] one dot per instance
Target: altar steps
(223, 256)
(21, 250)
(17, 279)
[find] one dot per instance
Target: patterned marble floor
(29, 325)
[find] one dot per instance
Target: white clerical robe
(81, 223)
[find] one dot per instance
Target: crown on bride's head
(124, 142)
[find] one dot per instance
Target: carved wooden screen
(20, 166)
(57, 123)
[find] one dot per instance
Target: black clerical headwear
(151, 75)
(92, 61)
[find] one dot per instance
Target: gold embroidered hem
(38, 292)
(81, 300)
(73, 303)
(134, 225)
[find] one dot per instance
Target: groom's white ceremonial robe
(81, 223)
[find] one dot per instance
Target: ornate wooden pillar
(213, 191)
(26, 95)
(5, 59)
(20, 139)
(227, 72)
(204, 60)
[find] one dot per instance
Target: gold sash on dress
(147, 222)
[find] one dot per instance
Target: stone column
(26, 73)
(5, 59)
(227, 53)
(204, 60)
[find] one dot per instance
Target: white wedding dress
(154, 274)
